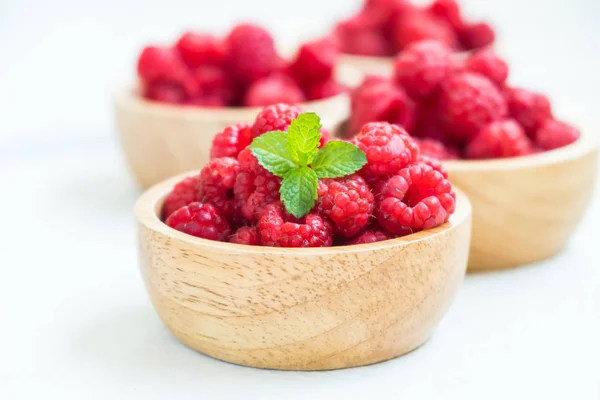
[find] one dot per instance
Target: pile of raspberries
(458, 106)
(234, 199)
(243, 69)
(386, 27)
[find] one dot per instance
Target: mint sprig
(295, 157)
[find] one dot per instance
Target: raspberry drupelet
(348, 202)
(417, 197)
(231, 141)
(276, 117)
(280, 230)
(200, 220)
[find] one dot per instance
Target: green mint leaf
(299, 191)
(337, 159)
(303, 138)
(271, 150)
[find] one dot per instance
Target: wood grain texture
(369, 64)
(160, 140)
(525, 209)
(301, 309)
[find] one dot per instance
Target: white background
(75, 322)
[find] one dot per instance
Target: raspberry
(161, 64)
(184, 193)
(370, 236)
(422, 67)
(254, 187)
(276, 117)
(213, 82)
(200, 220)
(324, 89)
(388, 148)
(447, 10)
(553, 134)
(367, 43)
(469, 102)
(434, 163)
(198, 49)
(379, 99)
(231, 141)
(500, 139)
(477, 35)
(247, 235)
(315, 61)
(488, 64)
(252, 53)
(435, 149)
(279, 230)
(347, 201)
(325, 137)
(216, 184)
(418, 197)
(427, 121)
(272, 90)
(530, 109)
(165, 92)
(418, 25)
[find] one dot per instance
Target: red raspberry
(252, 53)
(214, 82)
(231, 141)
(530, 109)
(367, 43)
(247, 235)
(279, 230)
(418, 25)
(500, 139)
(422, 67)
(276, 117)
(347, 201)
(324, 89)
(272, 90)
(427, 121)
(418, 197)
(254, 187)
(325, 137)
(370, 236)
(458, 64)
(379, 99)
(216, 184)
(488, 64)
(184, 193)
(388, 148)
(315, 61)
(477, 35)
(165, 92)
(447, 10)
(435, 149)
(161, 64)
(198, 49)
(434, 163)
(200, 220)
(553, 134)
(469, 102)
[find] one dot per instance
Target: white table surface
(75, 322)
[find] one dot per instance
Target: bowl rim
(127, 96)
(148, 206)
(587, 143)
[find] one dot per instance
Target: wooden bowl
(525, 209)
(162, 140)
(369, 64)
(301, 309)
